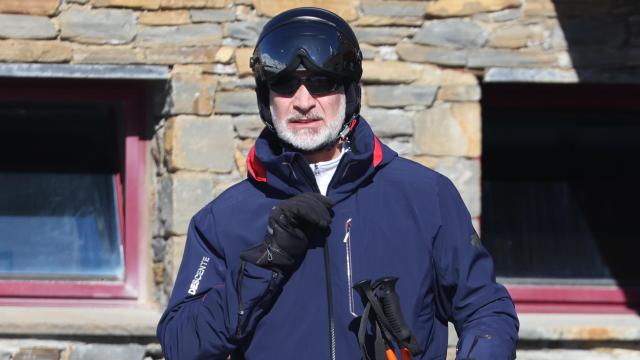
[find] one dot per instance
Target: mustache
(307, 116)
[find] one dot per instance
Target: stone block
(451, 8)
(202, 144)
(223, 184)
(158, 270)
(188, 4)
(134, 4)
(347, 9)
(243, 55)
(448, 130)
(403, 145)
(159, 247)
(429, 54)
(245, 31)
(469, 117)
(102, 26)
(242, 151)
(516, 36)
(482, 58)
(236, 102)
(465, 175)
(390, 123)
(391, 96)
(374, 20)
(382, 35)
(221, 69)
(35, 51)
(37, 354)
(532, 75)
(212, 15)
(394, 8)
(590, 32)
(225, 55)
(81, 2)
(189, 193)
(83, 54)
(391, 72)
(459, 93)
(27, 27)
(457, 77)
(104, 352)
(452, 33)
(30, 7)
(248, 126)
(181, 35)
(192, 93)
(234, 83)
(180, 55)
(499, 16)
(164, 18)
(175, 251)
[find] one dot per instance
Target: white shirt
(324, 170)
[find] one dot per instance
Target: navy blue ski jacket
(393, 217)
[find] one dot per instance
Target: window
(560, 194)
(71, 189)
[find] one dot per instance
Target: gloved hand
(290, 224)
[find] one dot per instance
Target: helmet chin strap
(348, 127)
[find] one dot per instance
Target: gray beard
(310, 140)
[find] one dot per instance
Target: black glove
(290, 224)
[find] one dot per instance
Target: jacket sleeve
(212, 307)
(467, 294)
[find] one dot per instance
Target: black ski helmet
(317, 39)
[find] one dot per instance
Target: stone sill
(574, 328)
(141, 322)
(580, 327)
(67, 321)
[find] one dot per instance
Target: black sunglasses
(316, 84)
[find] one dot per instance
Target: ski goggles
(318, 46)
(316, 84)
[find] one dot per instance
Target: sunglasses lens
(316, 84)
(285, 86)
(321, 84)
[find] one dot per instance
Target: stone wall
(423, 63)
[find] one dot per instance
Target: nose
(303, 101)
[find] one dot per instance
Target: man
(269, 266)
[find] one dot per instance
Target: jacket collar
(268, 164)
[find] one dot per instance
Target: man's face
(308, 122)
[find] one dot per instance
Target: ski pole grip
(362, 287)
(391, 308)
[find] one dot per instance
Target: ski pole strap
(362, 331)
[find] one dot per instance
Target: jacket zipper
(332, 327)
(347, 245)
(327, 270)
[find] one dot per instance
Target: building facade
(122, 118)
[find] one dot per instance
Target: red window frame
(542, 298)
(131, 203)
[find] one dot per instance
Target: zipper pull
(347, 230)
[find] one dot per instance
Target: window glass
(59, 225)
(560, 194)
(59, 210)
